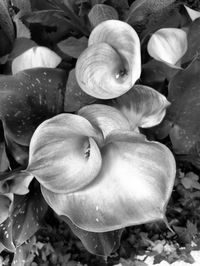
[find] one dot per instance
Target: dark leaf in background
(7, 32)
(4, 162)
(102, 244)
(28, 98)
(20, 46)
(100, 13)
(24, 254)
(184, 112)
(28, 213)
(147, 16)
(75, 97)
(193, 42)
(72, 46)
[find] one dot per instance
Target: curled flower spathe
(111, 64)
(101, 174)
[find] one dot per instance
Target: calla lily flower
(168, 45)
(97, 171)
(37, 56)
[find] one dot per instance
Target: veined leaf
(28, 98)
(102, 244)
(73, 46)
(184, 109)
(100, 13)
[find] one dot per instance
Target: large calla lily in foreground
(101, 174)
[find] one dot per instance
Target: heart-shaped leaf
(133, 187)
(184, 109)
(102, 244)
(72, 46)
(28, 98)
(100, 13)
(75, 97)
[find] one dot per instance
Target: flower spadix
(99, 173)
(111, 64)
(37, 56)
(168, 45)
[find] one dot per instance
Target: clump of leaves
(84, 88)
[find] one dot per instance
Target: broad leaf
(146, 16)
(5, 203)
(24, 254)
(133, 187)
(184, 111)
(6, 237)
(75, 97)
(102, 244)
(27, 215)
(72, 46)
(100, 13)
(193, 42)
(28, 98)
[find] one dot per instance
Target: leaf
(102, 244)
(193, 42)
(28, 98)
(4, 162)
(142, 106)
(183, 112)
(168, 45)
(64, 155)
(21, 29)
(20, 46)
(28, 212)
(75, 97)
(6, 238)
(24, 254)
(100, 13)
(73, 46)
(123, 193)
(146, 16)
(35, 57)
(5, 203)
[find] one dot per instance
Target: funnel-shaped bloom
(97, 171)
(111, 64)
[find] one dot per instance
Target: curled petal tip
(112, 63)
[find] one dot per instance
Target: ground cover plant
(100, 132)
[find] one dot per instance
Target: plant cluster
(95, 97)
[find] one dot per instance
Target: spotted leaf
(27, 216)
(102, 244)
(6, 237)
(28, 98)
